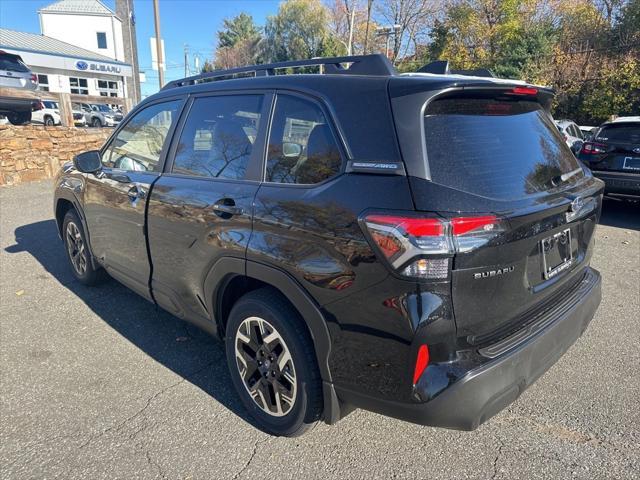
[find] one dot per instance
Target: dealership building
(81, 50)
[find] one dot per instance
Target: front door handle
(227, 207)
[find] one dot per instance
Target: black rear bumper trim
(486, 390)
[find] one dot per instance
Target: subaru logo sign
(80, 65)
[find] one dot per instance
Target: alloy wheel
(266, 366)
(76, 249)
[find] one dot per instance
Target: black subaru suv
(416, 245)
(613, 155)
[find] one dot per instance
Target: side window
(138, 146)
(218, 136)
(302, 148)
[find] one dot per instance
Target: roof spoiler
(441, 67)
(375, 64)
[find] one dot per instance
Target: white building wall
(81, 30)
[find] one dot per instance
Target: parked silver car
(15, 74)
(110, 118)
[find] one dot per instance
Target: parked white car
(49, 114)
(572, 134)
(587, 131)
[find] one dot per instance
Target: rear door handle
(227, 208)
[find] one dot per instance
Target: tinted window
(138, 145)
(302, 148)
(11, 63)
(48, 104)
(496, 148)
(218, 136)
(620, 132)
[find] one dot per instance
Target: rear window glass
(620, 133)
(503, 149)
(12, 64)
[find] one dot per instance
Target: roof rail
(441, 67)
(375, 64)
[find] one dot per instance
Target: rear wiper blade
(558, 179)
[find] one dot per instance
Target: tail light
(590, 148)
(34, 78)
(422, 247)
(524, 91)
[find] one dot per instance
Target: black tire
(72, 227)
(48, 121)
(95, 122)
(305, 410)
(19, 118)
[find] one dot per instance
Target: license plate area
(557, 255)
(631, 163)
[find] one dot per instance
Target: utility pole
(186, 60)
(156, 14)
(350, 46)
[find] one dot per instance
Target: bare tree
(412, 17)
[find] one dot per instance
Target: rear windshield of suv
(10, 63)
(503, 149)
(620, 132)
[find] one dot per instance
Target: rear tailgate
(497, 152)
(621, 145)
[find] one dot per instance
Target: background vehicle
(15, 74)
(79, 115)
(49, 114)
(107, 116)
(587, 131)
(572, 134)
(613, 155)
(394, 258)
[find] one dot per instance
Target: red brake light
(524, 91)
(422, 360)
(421, 246)
(420, 227)
(590, 148)
(34, 78)
(462, 225)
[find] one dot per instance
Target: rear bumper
(15, 105)
(619, 183)
(485, 390)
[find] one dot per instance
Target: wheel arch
(219, 284)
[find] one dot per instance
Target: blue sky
(193, 22)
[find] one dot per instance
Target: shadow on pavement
(186, 350)
(622, 214)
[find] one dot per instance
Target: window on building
(107, 88)
(79, 86)
(218, 136)
(302, 148)
(102, 39)
(43, 82)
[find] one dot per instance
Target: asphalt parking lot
(96, 383)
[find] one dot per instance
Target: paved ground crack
(250, 459)
(496, 460)
(150, 400)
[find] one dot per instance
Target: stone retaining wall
(34, 152)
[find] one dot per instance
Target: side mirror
(88, 162)
(291, 149)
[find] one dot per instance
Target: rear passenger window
(302, 148)
(218, 136)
